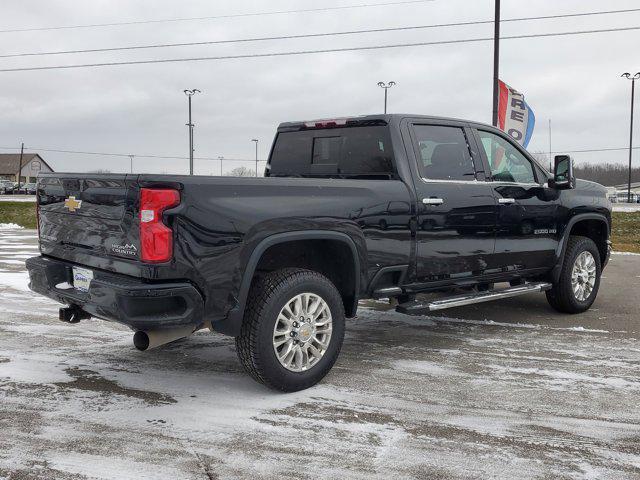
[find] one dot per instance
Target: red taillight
(156, 239)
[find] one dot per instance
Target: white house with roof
(32, 164)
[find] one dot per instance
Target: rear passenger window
(336, 152)
(444, 153)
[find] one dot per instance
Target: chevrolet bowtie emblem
(72, 204)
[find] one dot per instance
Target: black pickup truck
(384, 206)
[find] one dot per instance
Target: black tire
(561, 296)
(254, 345)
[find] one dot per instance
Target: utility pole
(189, 94)
(221, 158)
(386, 87)
(633, 79)
(496, 63)
(20, 165)
(131, 163)
(255, 140)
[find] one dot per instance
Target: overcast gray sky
(140, 109)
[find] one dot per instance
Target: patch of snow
(425, 367)
(628, 207)
(111, 467)
(17, 198)
(515, 325)
(565, 377)
(624, 253)
(10, 226)
(34, 368)
(582, 329)
(15, 280)
(11, 262)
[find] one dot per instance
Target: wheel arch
(261, 254)
(592, 225)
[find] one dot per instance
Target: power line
(214, 17)
(128, 155)
(308, 52)
(626, 149)
(217, 159)
(312, 35)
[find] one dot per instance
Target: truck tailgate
(89, 219)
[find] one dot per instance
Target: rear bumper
(119, 298)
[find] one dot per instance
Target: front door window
(506, 162)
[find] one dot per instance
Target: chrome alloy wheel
(583, 276)
(302, 332)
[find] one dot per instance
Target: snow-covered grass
(18, 198)
(626, 207)
(10, 226)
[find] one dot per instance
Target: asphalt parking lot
(508, 389)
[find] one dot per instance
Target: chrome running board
(417, 307)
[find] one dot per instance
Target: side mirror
(563, 173)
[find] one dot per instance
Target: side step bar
(417, 307)
(387, 292)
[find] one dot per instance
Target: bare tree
(543, 159)
(241, 172)
(608, 174)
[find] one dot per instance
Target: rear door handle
(506, 200)
(432, 201)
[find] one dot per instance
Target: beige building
(32, 164)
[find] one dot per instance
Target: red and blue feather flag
(515, 116)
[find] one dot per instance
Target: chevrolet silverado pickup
(427, 212)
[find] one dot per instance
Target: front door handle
(506, 200)
(432, 201)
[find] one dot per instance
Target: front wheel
(292, 330)
(579, 280)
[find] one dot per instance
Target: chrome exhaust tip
(148, 339)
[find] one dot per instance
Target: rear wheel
(292, 330)
(579, 281)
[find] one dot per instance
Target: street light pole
(386, 87)
(633, 79)
(131, 163)
(255, 140)
(189, 94)
(221, 158)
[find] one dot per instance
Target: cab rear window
(336, 152)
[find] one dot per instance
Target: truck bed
(217, 224)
